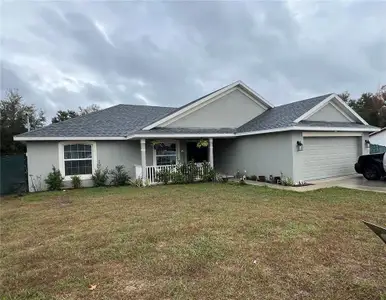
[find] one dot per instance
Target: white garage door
(329, 156)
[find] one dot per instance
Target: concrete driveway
(353, 182)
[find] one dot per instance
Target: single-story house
(378, 137)
(310, 139)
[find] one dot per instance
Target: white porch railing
(153, 171)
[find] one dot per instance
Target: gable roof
(281, 116)
(327, 100)
(208, 97)
(130, 121)
(114, 122)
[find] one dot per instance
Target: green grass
(199, 241)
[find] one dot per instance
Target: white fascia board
(89, 138)
(351, 110)
(189, 108)
(315, 109)
(305, 128)
(181, 135)
(318, 107)
(257, 95)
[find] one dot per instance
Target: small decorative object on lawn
(202, 143)
(378, 230)
(92, 287)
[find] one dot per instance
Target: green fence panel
(13, 174)
(377, 149)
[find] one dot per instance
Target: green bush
(208, 173)
(119, 176)
(54, 180)
(76, 182)
(163, 176)
(100, 176)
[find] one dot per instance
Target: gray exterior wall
(266, 154)
(328, 114)
(43, 155)
(230, 111)
(298, 156)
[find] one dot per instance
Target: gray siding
(268, 154)
(43, 155)
(298, 156)
(328, 114)
(230, 111)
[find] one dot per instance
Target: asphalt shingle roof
(123, 120)
(187, 130)
(281, 116)
(116, 121)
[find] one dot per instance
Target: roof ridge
(304, 100)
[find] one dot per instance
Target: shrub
(286, 180)
(54, 180)
(76, 182)
(163, 176)
(100, 176)
(119, 176)
(191, 172)
(177, 176)
(208, 173)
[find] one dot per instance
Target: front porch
(166, 154)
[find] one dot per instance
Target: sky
(62, 55)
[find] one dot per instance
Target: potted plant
(202, 143)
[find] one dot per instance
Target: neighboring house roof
(375, 133)
(116, 121)
(132, 121)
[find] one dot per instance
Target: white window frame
(94, 159)
(167, 142)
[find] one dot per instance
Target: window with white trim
(77, 159)
(166, 154)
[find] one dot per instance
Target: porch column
(211, 152)
(143, 158)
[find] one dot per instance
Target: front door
(198, 155)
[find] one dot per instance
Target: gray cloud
(62, 55)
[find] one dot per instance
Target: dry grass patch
(200, 241)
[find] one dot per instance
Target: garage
(329, 156)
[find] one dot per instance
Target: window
(166, 155)
(77, 159)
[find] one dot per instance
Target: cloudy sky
(65, 54)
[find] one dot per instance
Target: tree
(88, 109)
(14, 117)
(63, 115)
(345, 96)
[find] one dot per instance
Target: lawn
(199, 241)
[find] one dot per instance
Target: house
(378, 137)
(315, 138)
